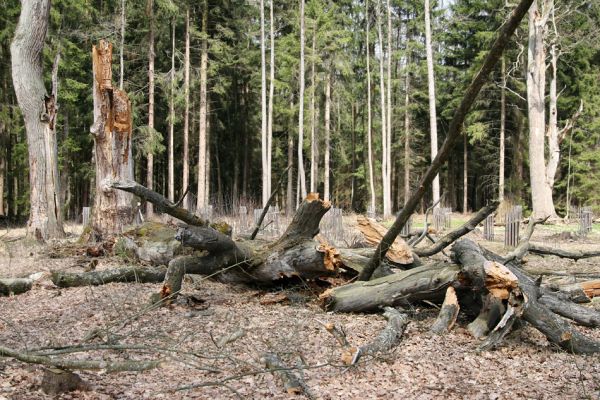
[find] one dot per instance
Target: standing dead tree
(113, 209)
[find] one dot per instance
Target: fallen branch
(388, 338)
(519, 252)
(291, 382)
(572, 254)
(269, 202)
(123, 274)
(13, 286)
(452, 236)
(161, 202)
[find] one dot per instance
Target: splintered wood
(499, 280)
(399, 252)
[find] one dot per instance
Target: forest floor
(423, 366)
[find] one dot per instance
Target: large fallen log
(124, 274)
(13, 286)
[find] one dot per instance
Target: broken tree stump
(448, 313)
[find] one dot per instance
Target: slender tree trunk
(122, 46)
(186, 113)
(465, 175)
(271, 95)
(208, 158)
(369, 116)
(327, 139)
(151, 55)
(111, 131)
(202, 159)
(518, 174)
(353, 162)
(266, 191)
(384, 133)
(407, 130)
(432, 111)
(171, 166)
(388, 154)
(313, 140)
(39, 113)
(553, 139)
(290, 163)
(502, 131)
(301, 175)
(4, 148)
(541, 193)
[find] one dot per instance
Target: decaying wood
(579, 292)
(538, 314)
(428, 282)
(123, 274)
(112, 133)
(399, 252)
(454, 131)
(572, 254)
(388, 338)
(456, 234)
(514, 311)
(291, 383)
(158, 200)
(448, 313)
(489, 315)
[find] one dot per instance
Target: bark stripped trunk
(112, 130)
(39, 113)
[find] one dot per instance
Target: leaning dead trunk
(113, 209)
(39, 113)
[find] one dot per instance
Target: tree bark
(407, 158)
(122, 46)
(314, 162)
(432, 110)
(301, 175)
(326, 172)
(271, 95)
(151, 56)
(388, 154)
(186, 112)
(39, 113)
(171, 160)
(502, 130)
(373, 202)
(202, 133)
(266, 190)
(384, 131)
(112, 131)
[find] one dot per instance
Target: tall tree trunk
(327, 139)
(111, 131)
(208, 158)
(313, 140)
(384, 132)
(151, 55)
(122, 46)
(4, 148)
(39, 113)
(432, 112)
(266, 190)
(465, 175)
(407, 157)
(202, 159)
(290, 163)
(171, 166)
(502, 131)
(301, 175)
(369, 116)
(353, 162)
(541, 193)
(553, 135)
(271, 95)
(517, 173)
(186, 113)
(388, 154)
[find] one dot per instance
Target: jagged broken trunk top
(113, 209)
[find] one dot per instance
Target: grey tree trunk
(151, 56)
(313, 139)
(290, 163)
(266, 190)
(301, 175)
(465, 175)
(541, 192)
(326, 188)
(171, 166)
(388, 154)
(502, 131)
(121, 47)
(186, 112)
(369, 116)
(202, 159)
(271, 95)
(384, 132)
(432, 112)
(39, 113)
(407, 130)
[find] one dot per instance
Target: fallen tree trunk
(428, 282)
(572, 254)
(579, 292)
(123, 274)
(11, 286)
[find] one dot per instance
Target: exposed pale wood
(373, 233)
(448, 313)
